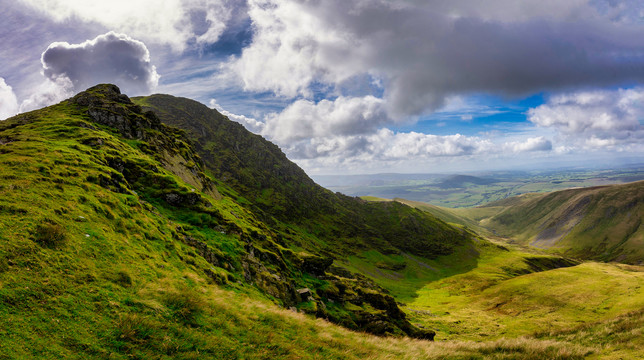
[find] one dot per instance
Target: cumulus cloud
(386, 146)
(249, 123)
(598, 118)
(114, 58)
(173, 22)
(426, 51)
(539, 143)
(8, 101)
(49, 92)
(343, 116)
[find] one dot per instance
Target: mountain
(123, 237)
(115, 221)
(285, 197)
(601, 223)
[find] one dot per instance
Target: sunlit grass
(89, 270)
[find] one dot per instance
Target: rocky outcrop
(105, 105)
(316, 265)
(345, 298)
(372, 308)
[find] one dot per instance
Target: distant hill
(601, 223)
(461, 181)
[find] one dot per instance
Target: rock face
(105, 105)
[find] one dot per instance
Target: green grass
(405, 274)
(496, 294)
(481, 305)
(96, 262)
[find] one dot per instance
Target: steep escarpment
(283, 195)
(601, 223)
(97, 185)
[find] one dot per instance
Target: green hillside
(123, 237)
(286, 198)
(96, 187)
(602, 223)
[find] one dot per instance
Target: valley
(504, 292)
(493, 292)
(155, 227)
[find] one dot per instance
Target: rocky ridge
(266, 260)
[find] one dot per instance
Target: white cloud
(288, 49)
(8, 101)
(49, 92)
(350, 132)
(343, 116)
(416, 145)
(539, 143)
(214, 22)
(173, 22)
(249, 123)
(424, 52)
(600, 118)
(385, 147)
(109, 58)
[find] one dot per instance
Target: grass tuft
(186, 305)
(133, 329)
(123, 278)
(50, 234)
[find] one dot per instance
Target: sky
(362, 86)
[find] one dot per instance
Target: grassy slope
(489, 304)
(602, 223)
(490, 296)
(120, 282)
(80, 253)
(91, 269)
(287, 199)
(496, 294)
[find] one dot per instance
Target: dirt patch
(558, 228)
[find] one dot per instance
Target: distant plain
(477, 188)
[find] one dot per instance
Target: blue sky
(358, 86)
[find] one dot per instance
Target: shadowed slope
(261, 173)
(602, 223)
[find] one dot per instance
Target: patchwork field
(473, 189)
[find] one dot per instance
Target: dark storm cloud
(516, 59)
(114, 58)
(425, 51)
